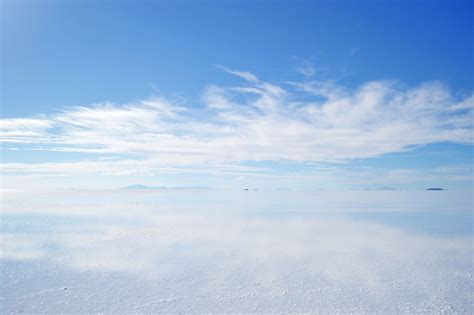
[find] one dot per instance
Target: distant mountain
(436, 188)
(143, 187)
(139, 186)
(386, 188)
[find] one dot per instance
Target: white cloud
(310, 121)
(25, 130)
(243, 74)
(24, 123)
(306, 68)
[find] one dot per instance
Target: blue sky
(310, 94)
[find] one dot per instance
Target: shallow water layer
(223, 251)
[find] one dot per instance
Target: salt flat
(234, 251)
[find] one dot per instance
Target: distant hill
(145, 187)
(386, 188)
(139, 186)
(382, 188)
(436, 188)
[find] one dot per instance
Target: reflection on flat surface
(219, 251)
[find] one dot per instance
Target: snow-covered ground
(255, 251)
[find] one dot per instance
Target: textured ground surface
(211, 251)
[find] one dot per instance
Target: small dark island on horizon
(436, 188)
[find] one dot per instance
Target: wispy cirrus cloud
(306, 68)
(243, 74)
(27, 130)
(306, 121)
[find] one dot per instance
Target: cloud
(25, 130)
(353, 51)
(307, 121)
(306, 68)
(243, 74)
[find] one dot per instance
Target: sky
(232, 94)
